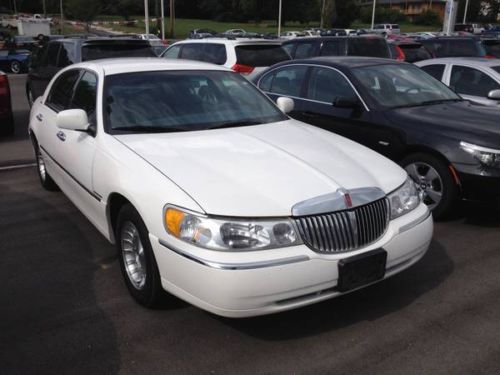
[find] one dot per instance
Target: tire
(433, 176)
(137, 262)
(16, 67)
(45, 180)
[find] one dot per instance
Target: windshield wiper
(235, 124)
(148, 129)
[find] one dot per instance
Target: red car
(6, 118)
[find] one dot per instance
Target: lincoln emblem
(348, 201)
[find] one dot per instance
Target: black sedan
(449, 146)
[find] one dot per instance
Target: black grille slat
(345, 230)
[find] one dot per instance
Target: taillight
(4, 94)
(401, 55)
(243, 69)
(489, 57)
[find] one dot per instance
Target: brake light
(401, 55)
(489, 57)
(243, 69)
(4, 94)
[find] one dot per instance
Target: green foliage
(83, 10)
(427, 18)
(382, 15)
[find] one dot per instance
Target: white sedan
(213, 194)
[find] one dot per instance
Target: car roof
(232, 41)
(326, 38)
(344, 62)
(464, 60)
(145, 64)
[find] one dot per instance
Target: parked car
(473, 28)
(58, 54)
(450, 147)
(201, 33)
(293, 34)
(333, 32)
(474, 79)
(248, 57)
(455, 46)
(235, 32)
(15, 61)
(213, 194)
(338, 46)
(6, 117)
(409, 51)
(492, 47)
(491, 32)
(386, 29)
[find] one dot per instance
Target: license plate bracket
(362, 269)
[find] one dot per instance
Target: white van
(387, 28)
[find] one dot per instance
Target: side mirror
(285, 104)
(73, 119)
(494, 94)
(345, 102)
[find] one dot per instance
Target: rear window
(493, 49)
(260, 55)
(496, 68)
(370, 47)
(110, 50)
(414, 53)
(466, 48)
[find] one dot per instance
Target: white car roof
(145, 64)
(235, 41)
(472, 61)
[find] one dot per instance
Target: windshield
(393, 86)
(167, 101)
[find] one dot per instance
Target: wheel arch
(115, 202)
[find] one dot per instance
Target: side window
(86, 95)
(288, 47)
(330, 49)
(62, 91)
(173, 52)
(52, 53)
(215, 53)
(192, 51)
(304, 50)
(327, 84)
(266, 82)
(470, 81)
(436, 70)
(288, 81)
(66, 55)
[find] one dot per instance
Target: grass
(405, 27)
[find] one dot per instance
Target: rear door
(473, 84)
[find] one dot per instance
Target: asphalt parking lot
(65, 308)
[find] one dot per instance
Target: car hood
(459, 120)
(263, 170)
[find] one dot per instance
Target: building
(411, 8)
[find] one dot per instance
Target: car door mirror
(285, 104)
(494, 94)
(345, 102)
(73, 119)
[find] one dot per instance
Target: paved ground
(65, 309)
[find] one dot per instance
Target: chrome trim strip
(415, 222)
(235, 266)
(337, 201)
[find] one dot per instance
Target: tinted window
(260, 55)
(85, 95)
(62, 90)
(371, 47)
(215, 53)
(304, 50)
(266, 82)
(67, 55)
(52, 53)
(288, 48)
(288, 81)
(172, 52)
(496, 68)
(493, 49)
(414, 53)
(327, 84)
(192, 51)
(434, 70)
(330, 48)
(469, 81)
(437, 47)
(40, 56)
(464, 48)
(110, 50)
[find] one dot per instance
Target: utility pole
(172, 19)
(146, 16)
(162, 20)
(15, 7)
(44, 9)
(279, 20)
(465, 11)
(62, 16)
(322, 20)
(373, 13)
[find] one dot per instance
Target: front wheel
(137, 261)
(432, 175)
(15, 67)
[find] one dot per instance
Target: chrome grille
(345, 230)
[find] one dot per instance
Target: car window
(172, 52)
(325, 85)
(435, 70)
(62, 90)
(371, 47)
(463, 48)
(67, 55)
(330, 48)
(288, 81)
(415, 53)
(438, 48)
(260, 55)
(52, 54)
(4, 53)
(266, 82)
(288, 48)
(470, 81)
(496, 68)
(85, 95)
(116, 49)
(192, 51)
(215, 53)
(304, 50)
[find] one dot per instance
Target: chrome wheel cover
(15, 67)
(30, 98)
(134, 258)
(429, 182)
(42, 170)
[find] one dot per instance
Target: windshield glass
(167, 101)
(404, 85)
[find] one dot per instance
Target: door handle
(61, 136)
(39, 117)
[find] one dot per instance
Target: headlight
(230, 234)
(486, 156)
(405, 199)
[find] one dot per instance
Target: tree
(339, 13)
(83, 10)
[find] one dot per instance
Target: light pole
(373, 13)
(146, 16)
(279, 20)
(162, 20)
(322, 14)
(44, 9)
(62, 16)
(465, 11)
